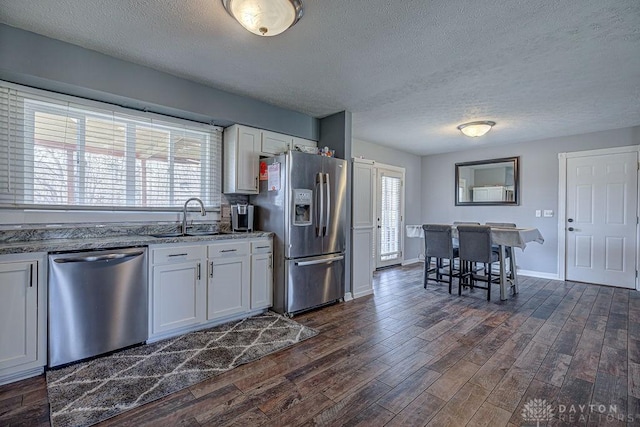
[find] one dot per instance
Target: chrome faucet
(184, 212)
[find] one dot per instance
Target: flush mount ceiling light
(265, 17)
(474, 129)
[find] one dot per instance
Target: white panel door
(602, 210)
(363, 226)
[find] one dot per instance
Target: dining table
(505, 237)
(502, 237)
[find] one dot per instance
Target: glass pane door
(390, 218)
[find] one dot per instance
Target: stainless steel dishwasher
(97, 303)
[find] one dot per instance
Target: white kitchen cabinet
(496, 193)
(261, 274)
(201, 284)
(23, 316)
(178, 287)
(363, 227)
(228, 289)
(301, 143)
(242, 145)
(274, 143)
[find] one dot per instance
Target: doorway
(390, 215)
(598, 229)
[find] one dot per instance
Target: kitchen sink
(164, 235)
(203, 233)
(191, 233)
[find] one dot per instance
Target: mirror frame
(516, 182)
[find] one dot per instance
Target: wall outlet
(225, 212)
(548, 213)
(538, 213)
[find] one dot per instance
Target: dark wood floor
(410, 356)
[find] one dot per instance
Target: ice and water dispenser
(302, 203)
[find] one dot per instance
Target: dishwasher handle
(98, 258)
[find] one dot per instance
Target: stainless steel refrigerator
(302, 201)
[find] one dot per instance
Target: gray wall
(38, 61)
(412, 165)
(538, 188)
(335, 131)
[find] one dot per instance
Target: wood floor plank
(461, 407)
(419, 412)
(452, 380)
(405, 392)
(412, 356)
(489, 415)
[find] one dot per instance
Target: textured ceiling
(409, 71)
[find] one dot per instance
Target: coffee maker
(242, 217)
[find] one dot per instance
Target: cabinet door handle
(228, 250)
(31, 275)
(172, 255)
(211, 269)
(262, 247)
(198, 271)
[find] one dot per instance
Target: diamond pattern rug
(89, 392)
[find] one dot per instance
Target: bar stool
(475, 247)
(439, 245)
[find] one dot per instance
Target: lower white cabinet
(229, 280)
(202, 284)
(261, 275)
(178, 287)
(23, 315)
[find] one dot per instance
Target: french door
(601, 218)
(390, 216)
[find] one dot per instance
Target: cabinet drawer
(176, 254)
(219, 250)
(261, 247)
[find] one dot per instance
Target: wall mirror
(487, 182)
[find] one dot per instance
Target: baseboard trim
(22, 375)
(538, 274)
(348, 296)
(362, 294)
(411, 261)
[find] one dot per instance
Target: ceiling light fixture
(265, 17)
(475, 129)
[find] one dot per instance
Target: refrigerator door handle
(319, 261)
(319, 209)
(328, 207)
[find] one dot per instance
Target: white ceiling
(409, 71)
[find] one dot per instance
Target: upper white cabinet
(242, 147)
(275, 143)
(23, 315)
(496, 193)
(301, 143)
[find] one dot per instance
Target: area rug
(89, 392)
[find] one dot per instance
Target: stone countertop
(108, 242)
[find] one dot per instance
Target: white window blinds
(62, 152)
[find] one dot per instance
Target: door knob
(570, 220)
(570, 228)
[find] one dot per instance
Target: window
(63, 152)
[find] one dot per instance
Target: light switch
(548, 213)
(538, 213)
